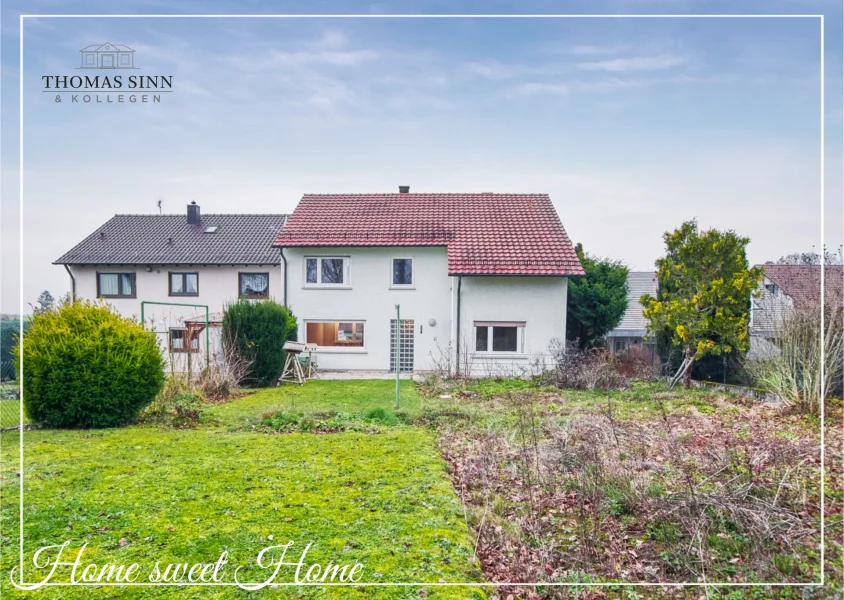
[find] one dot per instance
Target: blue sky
(631, 125)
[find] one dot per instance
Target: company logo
(108, 56)
(103, 87)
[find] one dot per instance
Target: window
(327, 271)
(179, 337)
(184, 284)
(115, 285)
(335, 334)
(254, 285)
(773, 288)
(620, 346)
(500, 337)
(402, 272)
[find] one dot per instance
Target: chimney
(404, 189)
(193, 213)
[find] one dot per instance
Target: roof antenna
(159, 205)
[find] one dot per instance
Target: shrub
(257, 331)
(583, 369)
(635, 362)
(793, 365)
(178, 405)
(86, 366)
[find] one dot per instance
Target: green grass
(383, 500)
(355, 396)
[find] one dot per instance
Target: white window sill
(318, 286)
(496, 355)
(337, 350)
(402, 287)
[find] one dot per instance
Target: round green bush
(85, 366)
(256, 332)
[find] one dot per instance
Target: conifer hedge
(257, 331)
(86, 366)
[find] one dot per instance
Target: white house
(178, 272)
(480, 279)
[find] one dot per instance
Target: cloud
(637, 63)
(587, 50)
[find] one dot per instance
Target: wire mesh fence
(9, 403)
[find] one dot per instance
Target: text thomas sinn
(108, 83)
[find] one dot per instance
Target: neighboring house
(784, 288)
(108, 56)
(188, 259)
(489, 270)
(634, 326)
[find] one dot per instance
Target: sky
(631, 125)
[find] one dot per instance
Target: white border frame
(439, 16)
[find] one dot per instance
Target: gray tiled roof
(639, 283)
(169, 239)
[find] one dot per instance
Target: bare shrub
(225, 373)
(635, 362)
(793, 367)
(583, 369)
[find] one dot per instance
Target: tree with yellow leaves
(705, 286)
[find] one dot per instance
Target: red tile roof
(803, 282)
(486, 234)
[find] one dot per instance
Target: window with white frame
(402, 272)
(327, 270)
(499, 336)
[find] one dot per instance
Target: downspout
(284, 259)
(72, 283)
(459, 284)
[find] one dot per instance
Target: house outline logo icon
(108, 56)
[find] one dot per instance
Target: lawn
(500, 480)
(143, 494)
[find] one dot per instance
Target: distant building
(784, 288)
(634, 326)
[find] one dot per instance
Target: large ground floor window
(495, 336)
(336, 334)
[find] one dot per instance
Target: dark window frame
(184, 275)
(119, 293)
(241, 295)
(192, 334)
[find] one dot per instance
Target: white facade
(534, 307)
(216, 286)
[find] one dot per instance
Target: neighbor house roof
(803, 282)
(634, 323)
(486, 233)
(170, 239)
